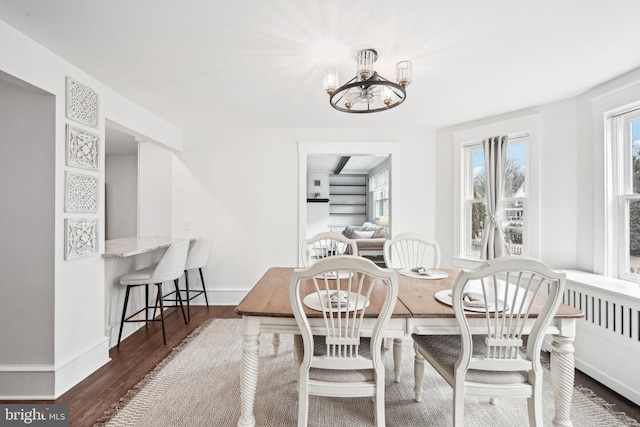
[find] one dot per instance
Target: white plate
(432, 274)
(444, 296)
(332, 275)
(319, 304)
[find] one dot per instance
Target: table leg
(562, 375)
(418, 373)
(397, 358)
(275, 341)
(249, 375)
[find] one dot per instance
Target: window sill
(465, 262)
(605, 284)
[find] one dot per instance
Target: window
(513, 213)
(625, 169)
(379, 186)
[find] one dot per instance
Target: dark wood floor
(142, 351)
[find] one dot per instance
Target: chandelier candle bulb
(330, 80)
(365, 60)
(386, 96)
(403, 73)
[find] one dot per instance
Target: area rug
(199, 385)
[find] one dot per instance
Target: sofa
(369, 238)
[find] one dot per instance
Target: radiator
(607, 344)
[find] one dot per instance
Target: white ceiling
(251, 63)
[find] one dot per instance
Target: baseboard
(48, 382)
(222, 297)
(76, 370)
(27, 382)
(612, 383)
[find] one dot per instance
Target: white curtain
(495, 156)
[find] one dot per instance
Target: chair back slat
(324, 245)
(506, 291)
(343, 288)
(342, 327)
(410, 250)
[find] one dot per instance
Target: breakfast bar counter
(129, 246)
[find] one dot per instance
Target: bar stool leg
(124, 314)
(159, 300)
(186, 284)
(175, 282)
(203, 287)
(146, 306)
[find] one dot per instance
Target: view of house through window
(513, 212)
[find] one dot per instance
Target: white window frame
(379, 186)
(527, 125)
(620, 188)
(466, 246)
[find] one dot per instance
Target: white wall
(27, 208)
(323, 188)
(77, 299)
(317, 212)
(239, 188)
(121, 176)
(317, 218)
(155, 169)
(558, 184)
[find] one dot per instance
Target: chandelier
(368, 92)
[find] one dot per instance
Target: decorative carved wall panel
(82, 148)
(81, 193)
(82, 103)
(81, 237)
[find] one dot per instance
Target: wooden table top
(270, 298)
(416, 297)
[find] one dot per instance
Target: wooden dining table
(266, 309)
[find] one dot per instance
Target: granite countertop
(129, 246)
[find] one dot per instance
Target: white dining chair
(323, 245)
(500, 357)
(407, 251)
(169, 268)
(410, 250)
(338, 358)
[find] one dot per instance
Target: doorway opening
(336, 186)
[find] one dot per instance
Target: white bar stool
(196, 259)
(170, 267)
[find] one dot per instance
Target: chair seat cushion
(444, 351)
(334, 375)
(138, 277)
